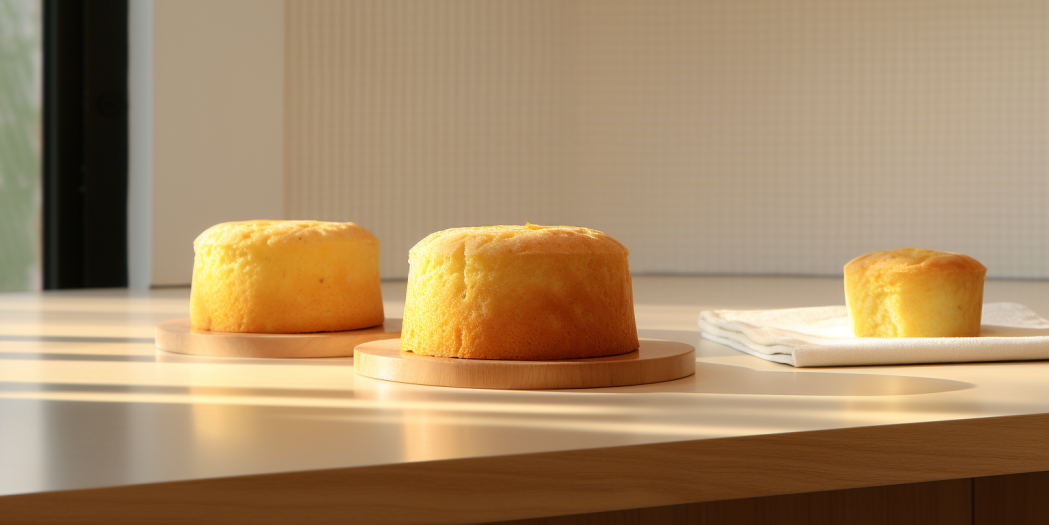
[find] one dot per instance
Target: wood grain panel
(654, 362)
(178, 336)
(936, 503)
(572, 482)
(1018, 499)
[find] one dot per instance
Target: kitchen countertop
(87, 402)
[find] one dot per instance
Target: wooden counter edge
(477, 490)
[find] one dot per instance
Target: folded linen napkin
(822, 336)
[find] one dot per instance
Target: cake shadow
(737, 380)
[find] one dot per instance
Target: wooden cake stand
(654, 362)
(179, 337)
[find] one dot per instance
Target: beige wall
(772, 137)
(217, 144)
(780, 137)
(790, 136)
(411, 117)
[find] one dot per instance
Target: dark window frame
(85, 144)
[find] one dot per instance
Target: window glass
(20, 140)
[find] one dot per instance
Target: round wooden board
(179, 337)
(654, 362)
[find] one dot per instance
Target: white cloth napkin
(822, 336)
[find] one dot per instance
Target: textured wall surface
(791, 136)
(412, 117)
(769, 137)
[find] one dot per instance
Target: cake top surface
(913, 260)
(527, 239)
(281, 232)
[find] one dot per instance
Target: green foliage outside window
(20, 96)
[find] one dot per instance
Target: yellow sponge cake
(285, 277)
(914, 293)
(519, 292)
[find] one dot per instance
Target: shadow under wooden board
(179, 337)
(655, 361)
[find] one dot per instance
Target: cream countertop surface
(86, 400)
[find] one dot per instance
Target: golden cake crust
(285, 277)
(274, 232)
(519, 292)
(531, 238)
(914, 293)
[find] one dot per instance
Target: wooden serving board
(655, 361)
(179, 337)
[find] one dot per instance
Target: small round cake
(285, 277)
(519, 292)
(914, 293)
